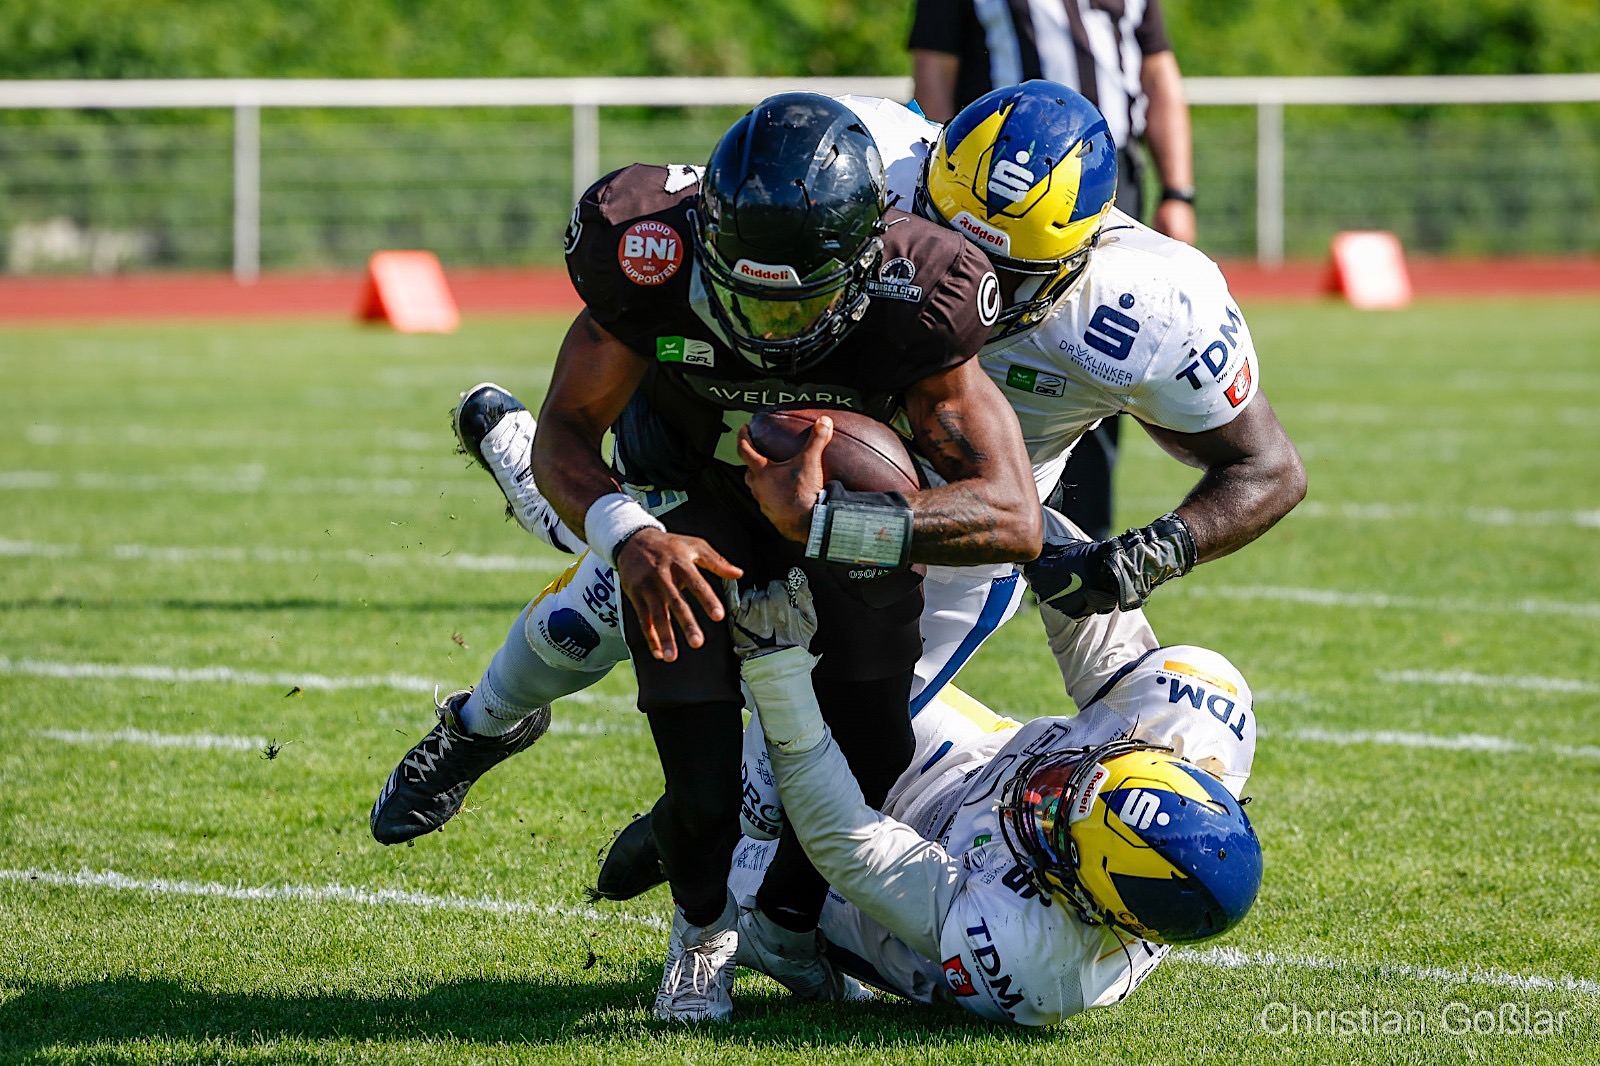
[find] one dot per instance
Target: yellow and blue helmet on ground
(1027, 172)
(1134, 837)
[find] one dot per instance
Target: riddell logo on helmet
(985, 235)
(767, 273)
(1083, 802)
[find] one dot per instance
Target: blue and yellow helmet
(1027, 172)
(1134, 837)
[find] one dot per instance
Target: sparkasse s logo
(1141, 809)
(1010, 180)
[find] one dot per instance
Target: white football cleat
(495, 428)
(794, 960)
(697, 984)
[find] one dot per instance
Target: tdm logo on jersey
(685, 350)
(1199, 697)
(1021, 377)
(1215, 356)
(894, 281)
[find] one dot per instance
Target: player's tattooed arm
(988, 511)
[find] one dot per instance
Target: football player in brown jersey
(705, 302)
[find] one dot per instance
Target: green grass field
(225, 542)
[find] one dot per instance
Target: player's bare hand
(662, 574)
(788, 491)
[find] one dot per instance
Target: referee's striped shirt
(1095, 46)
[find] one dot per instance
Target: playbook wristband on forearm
(611, 520)
(860, 528)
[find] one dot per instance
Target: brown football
(865, 455)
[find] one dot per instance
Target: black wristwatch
(1185, 194)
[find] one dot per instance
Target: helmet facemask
(1037, 808)
(1129, 835)
(777, 320)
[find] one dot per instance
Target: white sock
(478, 719)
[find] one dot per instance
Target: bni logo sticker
(650, 252)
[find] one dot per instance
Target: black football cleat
(429, 786)
(632, 866)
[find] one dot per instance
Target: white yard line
(228, 675)
(51, 435)
(370, 897)
(180, 556)
(1383, 601)
(247, 478)
(1465, 677)
(542, 564)
(1217, 958)
(1458, 742)
(203, 741)
(212, 741)
(1233, 958)
(1357, 511)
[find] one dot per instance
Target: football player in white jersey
(1104, 315)
(1024, 872)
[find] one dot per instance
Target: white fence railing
(586, 96)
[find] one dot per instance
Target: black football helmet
(789, 228)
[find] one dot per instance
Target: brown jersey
(632, 259)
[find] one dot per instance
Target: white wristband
(611, 520)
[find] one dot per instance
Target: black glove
(1084, 577)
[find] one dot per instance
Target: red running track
(190, 296)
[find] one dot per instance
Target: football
(865, 454)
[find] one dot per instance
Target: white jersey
(904, 139)
(1150, 329)
(938, 907)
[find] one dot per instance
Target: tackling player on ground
(1023, 872)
